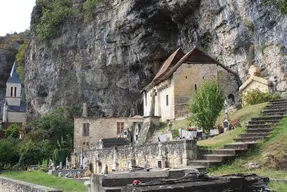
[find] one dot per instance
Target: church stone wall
(188, 78)
(16, 117)
(175, 153)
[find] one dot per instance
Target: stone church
(168, 95)
(13, 106)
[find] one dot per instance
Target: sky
(15, 15)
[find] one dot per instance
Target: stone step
(206, 163)
(248, 139)
(240, 145)
(278, 117)
(224, 151)
(278, 100)
(219, 157)
(229, 151)
(273, 113)
(277, 103)
(274, 110)
(256, 134)
(258, 130)
(257, 126)
(260, 122)
(279, 106)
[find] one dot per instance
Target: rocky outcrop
(107, 61)
(9, 45)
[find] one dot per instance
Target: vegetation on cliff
(54, 14)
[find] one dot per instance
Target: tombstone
(225, 125)
(161, 161)
(61, 165)
(163, 138)
(104, 170)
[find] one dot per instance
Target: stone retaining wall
(11, 185)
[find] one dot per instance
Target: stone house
(88, 131)
(13, 108)
(179, 77)
(255, 82)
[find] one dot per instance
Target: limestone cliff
(106, 61)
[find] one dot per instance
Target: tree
(8, 152)
(12, 131)
(205, 105)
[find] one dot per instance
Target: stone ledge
(11, 185)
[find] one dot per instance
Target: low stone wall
(11, 185)
(174, 154)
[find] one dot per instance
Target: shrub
(54, 14)
(20, 59)
(206, 105)
(12, 131)
(89, 7)
(280, 4)
(8, 152)
(256, 96)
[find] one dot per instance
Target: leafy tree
(12, 131)
(54, 14)
(206, 105)
(8, 152)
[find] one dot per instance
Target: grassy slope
(41, 178)
(243, 115)
(276, 168)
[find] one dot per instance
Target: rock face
(8, 49)
(107, 61)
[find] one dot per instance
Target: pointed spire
(14, 76)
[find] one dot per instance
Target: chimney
(85, 110)
(254, 70)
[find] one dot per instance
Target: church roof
(20, 109)
(250, 80)
(170, 62)
(195, 56)
(14, 76)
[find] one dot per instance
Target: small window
(195, 87)
(166, 98)
(11, 92)
(15, 91)
(120, 127)
(86, 129)
(145, 98)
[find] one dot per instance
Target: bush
(8, 152)
(256, 96)
(280, 4)
(20, 59)
(206, 105)
(12, 131)
(89, 8)
(54, 14)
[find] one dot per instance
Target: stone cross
(152, 105)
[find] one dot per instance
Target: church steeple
(13, 87)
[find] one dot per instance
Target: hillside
(270, 155)
(104, 52)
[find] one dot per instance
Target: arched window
(231, 98)
(195, 87)
(11, 92)
(15, 91)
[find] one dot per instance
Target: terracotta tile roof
(170, 62)
(195, 56)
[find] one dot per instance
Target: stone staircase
(257, 129)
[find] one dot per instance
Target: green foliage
(175, 133)
(256, 96)
(249, 24)
(89, 7)
(54, 13)
(33, 152)
(280, 4)
(12, 131)
(8, 152)
(205, 105)
(20, 59)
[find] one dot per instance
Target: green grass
(243, 115)
(41, 178)
(275, 167)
